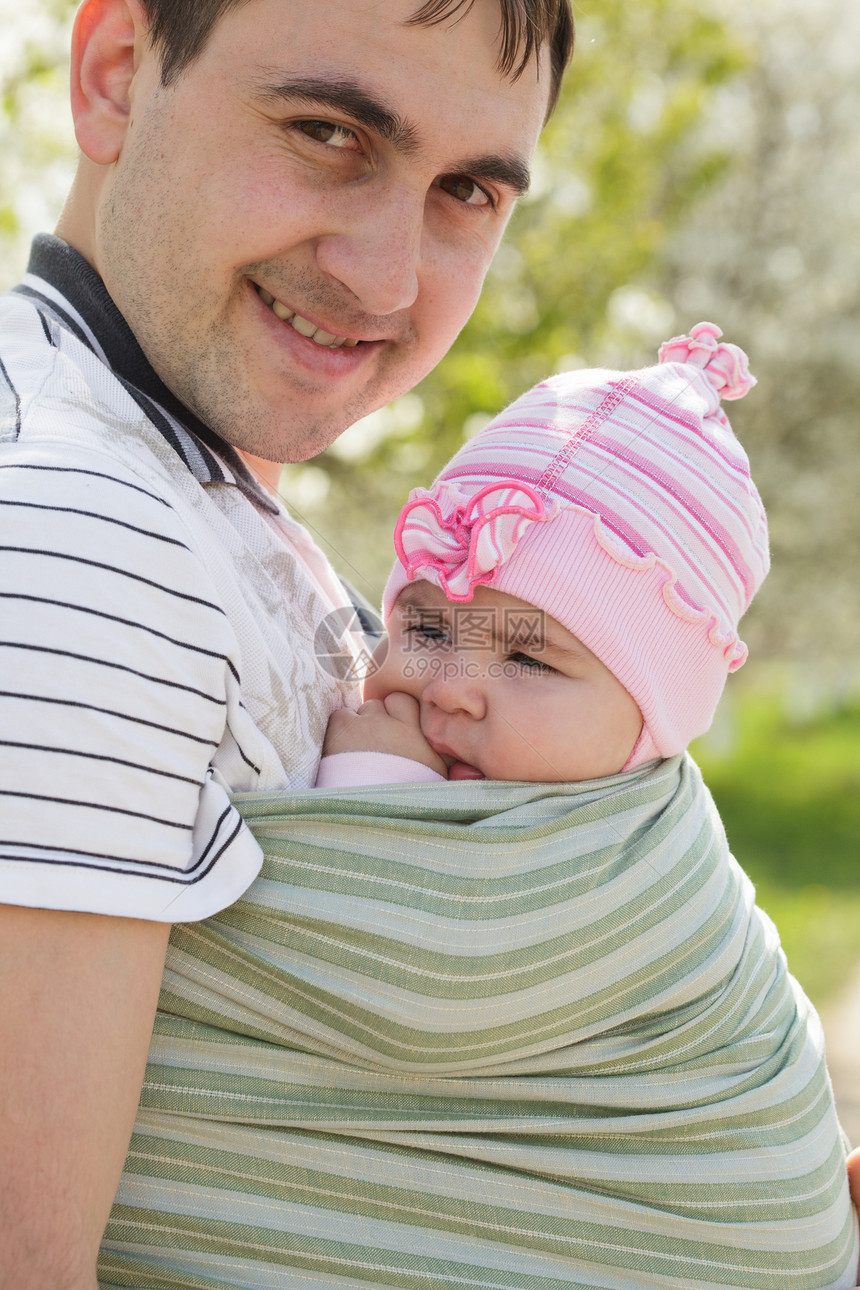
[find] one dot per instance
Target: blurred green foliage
(789, 795)
(615, 173)
(36, 141)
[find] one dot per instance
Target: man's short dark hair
(179, 30)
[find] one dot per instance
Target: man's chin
(287, 444)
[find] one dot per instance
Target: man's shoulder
(67, 420)
(69, 452)
(53, 385)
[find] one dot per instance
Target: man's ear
(108, 40)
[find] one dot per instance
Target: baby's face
(505, 690)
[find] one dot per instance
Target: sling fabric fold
(486, 1035)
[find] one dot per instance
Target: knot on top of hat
(725, 366)
(460, 539)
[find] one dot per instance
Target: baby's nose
(457, 685)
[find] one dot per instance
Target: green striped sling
(486, 1035)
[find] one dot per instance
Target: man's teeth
(303, 326)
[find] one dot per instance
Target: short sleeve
(116, 670)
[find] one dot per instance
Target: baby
(567, 595)
(564, 610)
(530, 1031)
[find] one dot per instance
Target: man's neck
(63, 281)
(268, 473)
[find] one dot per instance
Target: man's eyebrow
(342, 94)
(499, 168)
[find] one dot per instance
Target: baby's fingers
(370, 707)
(337, 730)
(403, 707)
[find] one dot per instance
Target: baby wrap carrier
(486, 1035)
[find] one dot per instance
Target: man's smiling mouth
(303, 326)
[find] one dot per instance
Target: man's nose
(377, 256)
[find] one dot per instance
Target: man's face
(322, 172)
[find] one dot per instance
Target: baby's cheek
(393, 672)
(375, 684)
(374, 688)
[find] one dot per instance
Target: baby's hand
(388, 725)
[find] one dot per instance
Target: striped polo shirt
(159, 613)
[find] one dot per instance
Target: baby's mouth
(304, 326)
(457, 769)
(462, 770)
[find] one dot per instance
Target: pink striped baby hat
(620, 503)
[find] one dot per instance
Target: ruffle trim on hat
(728, 641)
(726, 366)
(462, 538)
(460, 541)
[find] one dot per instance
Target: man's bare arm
(78, 994)
(854, 1184)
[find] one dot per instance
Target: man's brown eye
(338, 136)
(464, 190)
